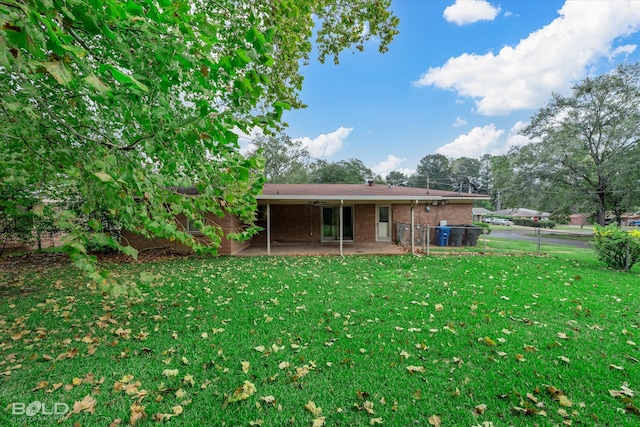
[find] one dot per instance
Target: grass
(401, 341)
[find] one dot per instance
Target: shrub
(617, 248)
(531, 223)
(487, 229)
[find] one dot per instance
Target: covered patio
(326, 248)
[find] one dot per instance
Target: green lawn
(301, 341)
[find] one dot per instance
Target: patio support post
(268, 228)
(413, 226)
(341, 224)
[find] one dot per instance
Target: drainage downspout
(341, 225)
(268, 228)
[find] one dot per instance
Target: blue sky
(460, 79)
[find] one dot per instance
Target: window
(191, 227)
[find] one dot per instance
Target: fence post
(428, 239)
(484, 240)
(539, 240)
(626, 259)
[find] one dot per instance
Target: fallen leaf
(434, 420)
(245, 366)
(413, 369)
(188, 379)
(480, 409)
(564, 401)
(137, 413)
(311, 407)
(243, 392)
(269, 400)
(87, 404)
(374, 421)
(319, 422)
(488, 341)
(284, 365)
(170, 373)
(41, 385)
(564, 359)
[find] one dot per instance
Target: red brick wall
(228, 223)
(365, 223)
(302, 224)
(291, 224)
(453, 213)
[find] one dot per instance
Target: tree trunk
(601, 209)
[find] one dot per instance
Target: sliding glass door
(331, 223)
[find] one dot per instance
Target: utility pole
(498, 202)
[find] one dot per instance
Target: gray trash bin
(472, 232)
(457, 233)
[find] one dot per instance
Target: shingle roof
(359, 191)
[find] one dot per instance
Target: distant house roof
(521, 212)
(358, 192)
(481, 211)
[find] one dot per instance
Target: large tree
(586, 144)
(434, 171)
(286, 161)
(351, 171)
(122, 103)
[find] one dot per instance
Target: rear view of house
(341, 213)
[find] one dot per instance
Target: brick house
(341, 213)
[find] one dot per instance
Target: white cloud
(514, 139)
(479, 141)
(391, 164)
(459, 122)
(548, 60)
(470, 11)
(246, 140)
(325, 145)
(485, 140)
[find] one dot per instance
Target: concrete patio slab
(320, 249)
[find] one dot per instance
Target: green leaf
(77, 51)
(124, 78)
(133, 8)
(58, 71)
(95, 82)
(103, 176)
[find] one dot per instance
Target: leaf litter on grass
(267, 323)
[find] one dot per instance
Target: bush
(531, 223)
(617, 248)
(487, 229)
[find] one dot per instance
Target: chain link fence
(500, 239)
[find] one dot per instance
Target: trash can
(442, 235)
(457, 233)
(472, 232)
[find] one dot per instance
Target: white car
(497, 221)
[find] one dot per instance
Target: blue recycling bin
(442, 235)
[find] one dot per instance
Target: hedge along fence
(617, 248)
(531, 223)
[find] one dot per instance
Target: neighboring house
(578, 219)
(479, 213)
(523, 213)
(340, 213)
